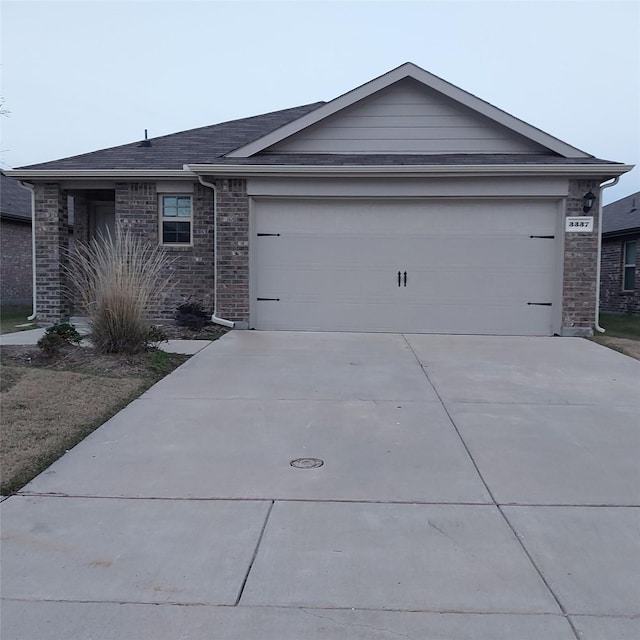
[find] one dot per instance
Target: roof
(202, 145)
(15, 201)
(246, 144)
(622, 216)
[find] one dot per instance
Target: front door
(102, 222)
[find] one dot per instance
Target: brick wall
(612, 298)
(15, 276)
(191, 268)
(580, 264)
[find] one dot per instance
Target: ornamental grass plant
(120, 280)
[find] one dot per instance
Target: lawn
(49, 404)
(621, 326)
(12, 315)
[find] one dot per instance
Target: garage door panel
(437, 317)
(397, 253)
(329, 282)
(471, 267)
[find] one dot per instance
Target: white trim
(83, 174)
(240, 171)
(628, 265)
(409, 70)
(161, 219)
(408, 171)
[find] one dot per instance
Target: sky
(83, 75)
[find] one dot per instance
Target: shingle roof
(622, 215)
(209, 145)
(203, 145)
(15, 202)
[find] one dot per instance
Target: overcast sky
(78, 76)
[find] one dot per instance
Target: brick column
(232, 245)
(52, 242)
(580, 264)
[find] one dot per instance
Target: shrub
(192, 315)
(119, 280)
(155, 336)
(59, 335)
(66, 331)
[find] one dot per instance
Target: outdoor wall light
(588, 200)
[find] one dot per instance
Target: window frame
(628, 266)
(162, 218)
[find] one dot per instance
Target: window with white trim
(176, 219)
(629, 266)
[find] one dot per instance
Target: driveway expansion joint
(255, 553)
(540, 573)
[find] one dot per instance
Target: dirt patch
(208, 332)
(624, 345)
(51, 404)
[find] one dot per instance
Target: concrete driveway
(471, 488)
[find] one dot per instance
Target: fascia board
(12, 217)
(611, 235)
(410, 70)
(88, 174)
(381, 171)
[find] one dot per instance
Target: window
(629, 266)
(176, 219)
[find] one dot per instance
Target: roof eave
(12, 217)
(90, 174)
(588, 170)
(190, 171)
(619, 233)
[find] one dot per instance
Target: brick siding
(612, 298)
(580, 264)
(233, 249)
(52, 241)
(190, 268)
(16, 284)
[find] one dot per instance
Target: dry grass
(119, 281)
(49, 405)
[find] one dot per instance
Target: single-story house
(406, 204)
(620, 270)
(16, 279)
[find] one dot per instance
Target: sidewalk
(31, 336)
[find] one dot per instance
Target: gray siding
(407, 118)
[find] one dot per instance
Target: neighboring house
(620, 269)
(404, 205)
(16, 282)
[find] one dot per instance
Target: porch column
(52, 242)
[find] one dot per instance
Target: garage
(413, 265)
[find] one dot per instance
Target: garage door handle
(399, 278)
(540, 304)
(405, 278)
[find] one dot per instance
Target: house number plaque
(579, 223)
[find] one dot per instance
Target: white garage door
(438, 266)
